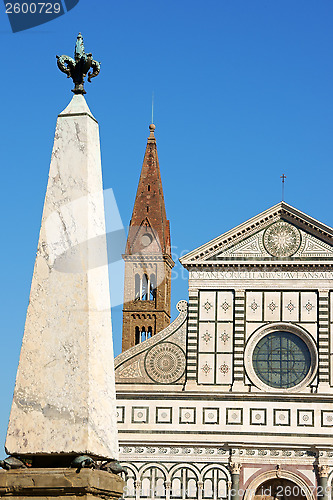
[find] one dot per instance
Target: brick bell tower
(148, 262)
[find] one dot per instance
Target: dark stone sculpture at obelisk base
(62, 432)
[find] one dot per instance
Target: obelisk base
(66, 484)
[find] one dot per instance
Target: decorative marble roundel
(282, 239)
(182, 306)
(165, 363)
(146, 239)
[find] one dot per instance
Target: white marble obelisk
(64, 399)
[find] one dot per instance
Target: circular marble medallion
(165, 363)
(282, 239)
(146, 239)
(182, 306)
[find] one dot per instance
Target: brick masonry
(148, 252)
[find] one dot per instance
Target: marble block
(64, 398)
(38, 484)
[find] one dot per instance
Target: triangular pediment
(144, 239)
(280, 233)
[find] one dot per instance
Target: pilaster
(323, 338)
(192, 339)
(239, 341)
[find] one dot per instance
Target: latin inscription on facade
(257, 275)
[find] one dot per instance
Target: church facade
(233, 398)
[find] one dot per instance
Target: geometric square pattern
(254, 306)
(225, 306)
(309, 306)
(140, 414)
(163, 415)
(326, 418)
(187, 415)
(207, 337)
(305, 418)
(224, 337)
(234, 416)
(120, 411)
(215, 338)
(281, 417)
(206, 368)
(258, 416)
(224, 369)
(210, 416)
(207, 306)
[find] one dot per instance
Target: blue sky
(243, 93)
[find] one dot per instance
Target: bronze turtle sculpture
(83, 462)
(12, 463)
(115, 467)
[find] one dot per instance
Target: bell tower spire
(148, 262)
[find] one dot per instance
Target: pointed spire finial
(151, 135)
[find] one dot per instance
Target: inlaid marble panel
(120, 412)
(224, 337)
(211, 416)
(272, 306)
(258, 416)
(234, 416)
(207, 306)
(206, 368)
(251, 327)
(164, 415)
(207, 337)
(290, 306)
(327, 418)
(281, 417)
(308, 306)
(225, 306)
(311, 328)
(254, 306)
(224, 369)
(187, 415)
(140, 414)
(305, 418)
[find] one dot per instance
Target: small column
(323, 471)
(137, 490)
(200, 488)
(235, 469)
(167, 490)
(140, 288)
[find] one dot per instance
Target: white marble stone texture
(64, 399)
